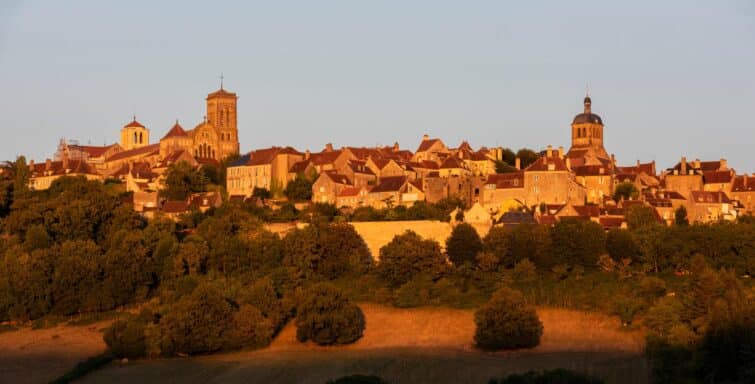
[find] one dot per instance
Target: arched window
(141, 138)
(135, 138)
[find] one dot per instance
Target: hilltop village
(496, 184)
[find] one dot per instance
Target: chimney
(613, 159)
(31, 165)
(638, 163)
(561, 151)
(723, 165)
(395, 147)
(549, 151)
(684, 166)
(746, 177)
(697, 163)
(48, 164)
(306, 154)
(518, 163)
(425, 137)
(65, 160)
(568, 163)
(329, 147)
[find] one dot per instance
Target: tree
(680, 216)
(182, 180)
(620, 245)
(497, 243)
(639, 216)
(300, 188)
(463, 245)
(506, 322)
(328, 250)
(626, 191)
(577, 242)
(261, 193)
(533, 242)
(74, 280)
(327, 317)
(197, 323)
(408, 255)
(125, 337)
(504, 167)
(527, 157)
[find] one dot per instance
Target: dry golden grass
(410, 346)
(39, 356)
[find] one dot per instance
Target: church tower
(134, 135)
(221, 114)
(587, 133)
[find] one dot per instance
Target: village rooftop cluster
(579, 182)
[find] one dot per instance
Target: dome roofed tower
(221, 115)
(587, 131)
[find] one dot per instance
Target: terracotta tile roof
(134, 123)
(452, 162)
(175, 206)
(75, 167)
(148, 150)
(142, 170)
(717, 177)
(514, 218)
(506, 180)
(611, 222)
(424, 164)
(390, 184)
(417, 184)
(426, 144)
(338, 178)
(208, 161)
(173, 156)
(267, 155)
(323, 158)
(204, 200)
(360, 167)
(546, 219)
(552, 209)
(176, 131)
(705, 166)
(299, 166)
(381, 163)
(221, 93)
(743, 184)
(590, 170)
(349, 191)
(656, 202)
(363, 153)
(673, 195)
(553, 163)
(648, 168)
(626, 177)
(587, 210)
(701, 197)
(92, 151)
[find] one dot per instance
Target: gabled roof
(545, 163)
(221, 93)
(267, 155)
(390, 184)
(590, 170)
(451, 162)
(326, 157)
(417, 184)
(506, 180)
(338, 178)
(717, 177)
(718, 197)
(93, 151)
(427, 144)
(299, 166)
(176, 131)
(147, 150)
(424, 164)
(175, 206)
(133, 124)
(743, 183)
(357, 166)
(587, 210)
(56, 168)
(350, 191)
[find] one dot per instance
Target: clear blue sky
(668, 78)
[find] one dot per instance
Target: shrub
(505, 322)
(463, 245)
(125, 337)
(578, 242)
(197, 323)
(556, 376)
(496, 242)
(327, 317)
(621, 245)
(250, 329)
(407, 255)
(326, 250)
(358, 379)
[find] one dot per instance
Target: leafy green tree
(506, 322)
(527, 157)
(408, 255)
(250, 329)
(300, 188)
(128, 270)
(680, 216)
(126, 338)
(326, 250)
(578, 242)
(497, 243)
(533, 242)
(639, 216)
(37, 238)
(621, 245)
(74, 280)
(182, 180)
(625, 191)
(261, 193)
(327, 317)
(504, 167)
(21, 178)
(198, 323)
(463, 245)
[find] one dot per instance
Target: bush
(250, 329)
(406, 256)
(125, 337)
(505, 322)
(463, 245)
(327, 317)
(326, 250)
(496, 242)
(578, 242)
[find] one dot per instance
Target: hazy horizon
(669, 80)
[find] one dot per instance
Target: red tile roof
(545, 163)
(743, 184)
(134, 123)
(92, 151)
(221, 93)
(589, 170)
(507, 180)
(267, 155)
(148, 150)
(452, 162)
(323, 158)
(176, 131)
(349, 191)
(717, 177)
(611, 222)
(390, 184)
(417, 184)
(587, 210)
(56, 168)
(426, 144)
(338, 178)
(175, 206)
(701, 197)
(299, 166)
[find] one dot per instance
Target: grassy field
(409, 346)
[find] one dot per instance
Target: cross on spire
(221, 81)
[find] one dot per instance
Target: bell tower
(221, 114)
(134, 135)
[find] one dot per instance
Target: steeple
(588, 104)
